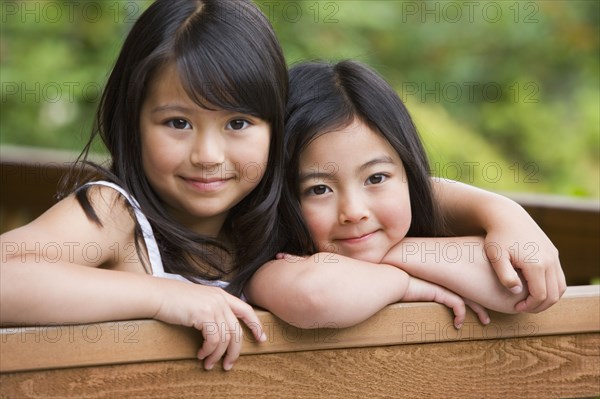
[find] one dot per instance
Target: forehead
(354, 144)
(165, 87)
(165, 83)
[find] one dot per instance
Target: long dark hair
(327, 97)
(227, 56)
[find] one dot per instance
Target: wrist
(401, 283)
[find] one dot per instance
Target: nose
(208, 149)
(352, 209)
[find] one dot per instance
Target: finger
(223, 339)
(552, 293)
(210, 333)
(292, 258)
(480, 311)
(454, 302)
(562, 281)
(535, 276)
(235, 343)
(246, 313)
(459, 314)
(504, 269)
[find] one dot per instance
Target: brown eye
(238, 124)
(319, 190)
(376, 178)
(178, 124)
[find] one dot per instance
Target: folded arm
(329, 290)
(514, 242)
(457, 263)
(325, 290)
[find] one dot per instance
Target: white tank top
(152, 247)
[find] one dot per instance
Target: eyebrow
(322, 174)
(315, 175)
(379, 160)
(170, 107)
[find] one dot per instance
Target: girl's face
(354, 193)
(201, 163)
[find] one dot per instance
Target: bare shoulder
(66, 233)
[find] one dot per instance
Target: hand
(420, 291)
(289, 257)
(520, 244)
(212, 311)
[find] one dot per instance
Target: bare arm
(62, 268)
(328, 290)
(457, 263)
(325, 289)
(513, 241)
(38, 293)
(51, 269)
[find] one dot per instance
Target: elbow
(310, 303)
(298, 296)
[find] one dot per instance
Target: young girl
(357, 184)
(192, 116)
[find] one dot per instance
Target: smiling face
(354, 193)
(200, 162)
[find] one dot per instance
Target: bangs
(225, 72)
(320, 113)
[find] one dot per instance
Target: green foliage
(505, 93)
(55, 59)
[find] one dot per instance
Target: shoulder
(110, 204)
(66, 233)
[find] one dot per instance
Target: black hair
(227, 57)
(327, 97)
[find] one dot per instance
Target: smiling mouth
(358, 239)
(206, 185)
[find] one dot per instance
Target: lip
(206, 185)
(357, 239)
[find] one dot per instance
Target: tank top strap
(147, 233)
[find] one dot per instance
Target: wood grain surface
(43, 347)
(537, 367)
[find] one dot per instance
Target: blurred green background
(505, 93)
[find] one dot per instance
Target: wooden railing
(405, 350)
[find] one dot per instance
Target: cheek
(397, 211)
(318, 225)
(252, 160)
(159, 158)
(252, 172)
